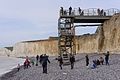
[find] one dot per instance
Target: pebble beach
(80, 71)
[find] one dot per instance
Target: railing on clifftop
(89, 12)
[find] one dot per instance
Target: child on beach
(101, 60)
(18, 67)
(32, 61)
(94, 64)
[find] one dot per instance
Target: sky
(22, 20)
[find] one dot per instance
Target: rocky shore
(80, 71)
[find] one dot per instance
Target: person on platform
(70, 10)
(79, 10)
(61, 11)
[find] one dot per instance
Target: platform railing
(90, 12)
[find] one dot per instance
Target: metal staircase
(66, 33)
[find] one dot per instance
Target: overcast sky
(22, 20)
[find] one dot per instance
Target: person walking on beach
(107, 58)
(60, 60)
(72, 60)
(41, 58)
(44, 63)
(37, 58)
(87, 60)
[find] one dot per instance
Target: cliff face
(86, 44)
(5, 52)
(106, 38)
(32, 48)
(111, 29)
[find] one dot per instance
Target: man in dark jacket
(70, 10)
(37, 58)
(87, 60)
(60, 61)
(41, 58)
(107, 58)
(72, 60)
(44, 63)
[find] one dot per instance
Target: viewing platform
(66, 26)
(92, 15)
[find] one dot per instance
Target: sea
(9, 63)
